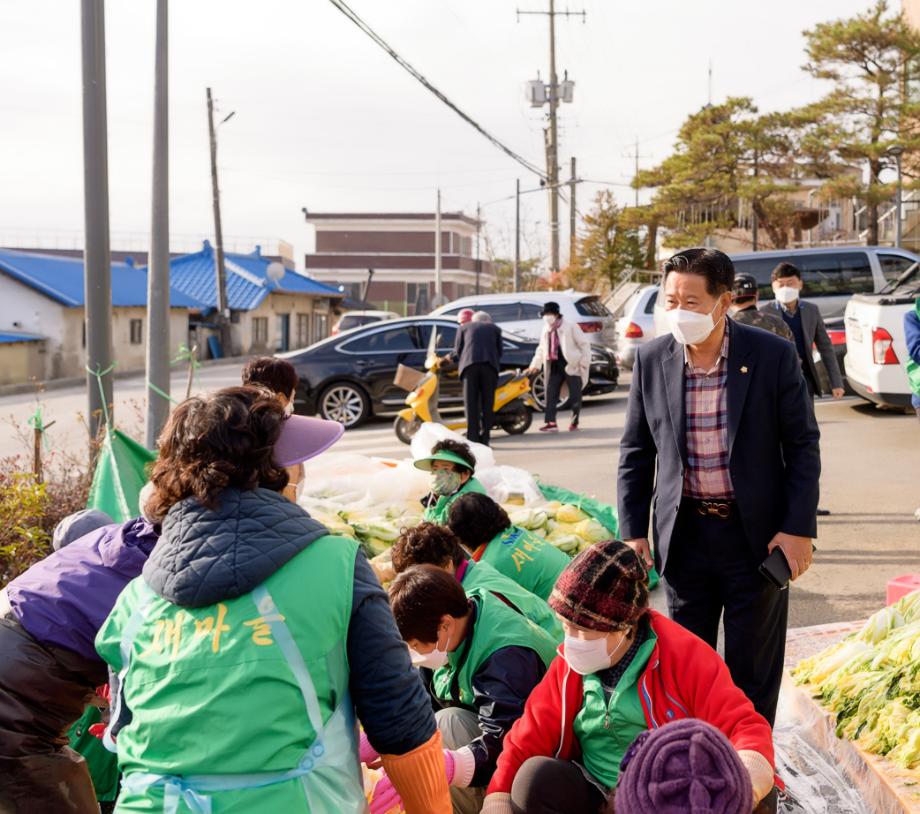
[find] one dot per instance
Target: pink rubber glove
(386, 797)
(369, 755)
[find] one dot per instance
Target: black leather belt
(719, 509)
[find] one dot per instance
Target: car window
(530, 311)
(761, 268)
(650, 303)
(502, 312)
(591, 307)
(454, 311)
(395, 340)
(447, 335)
(834, 274)
(893, 265)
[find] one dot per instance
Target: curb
(76, 381)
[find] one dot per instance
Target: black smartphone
(775, 568)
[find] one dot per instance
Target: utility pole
(572, 239)
(223, 310)
(158, 267)
(438, 291)
(754, 211)
(552, 135)
(636, 156)
(96, 255)
(517, 234)
(478, 255)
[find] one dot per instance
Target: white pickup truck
(876, 348)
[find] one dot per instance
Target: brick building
(400, 248)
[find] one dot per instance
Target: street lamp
(896, 152)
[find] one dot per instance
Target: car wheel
(406, 430)
(538, 391)
(346, 403)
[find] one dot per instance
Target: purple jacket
(64, 599)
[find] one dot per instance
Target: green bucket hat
(443, 455)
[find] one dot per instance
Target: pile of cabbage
(871, 682)
(565, 526)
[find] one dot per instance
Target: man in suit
(721, 440)
(807, 326)
(478, 352)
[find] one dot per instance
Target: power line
(342, 6)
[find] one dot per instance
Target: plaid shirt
(707, 476)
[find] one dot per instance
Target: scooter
(512, 401)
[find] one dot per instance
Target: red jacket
(685, 678)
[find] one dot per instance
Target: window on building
(137, 331)
(320, 327)
(418, 298)
(303, 330)
(260, 330)
(893, 265)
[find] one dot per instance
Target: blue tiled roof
(61, 279)
(247, 279)
(7, 337)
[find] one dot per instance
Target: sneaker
(550, 427)
(573, 427)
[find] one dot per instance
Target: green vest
(102, 764)
(438, 512)
(606, 729)
(495, 626)
(244, 702)
(526, 558)
(483, 575)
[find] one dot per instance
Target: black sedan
(349, 377)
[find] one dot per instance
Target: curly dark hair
(476, 519)
(277, 375)
(426, 543)
(420, 596)
(458, 448)
(215, 442)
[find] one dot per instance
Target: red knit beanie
(604, 588)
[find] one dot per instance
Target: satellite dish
(275, 271)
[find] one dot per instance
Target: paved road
(871, 480)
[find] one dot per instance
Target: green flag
(121, 472)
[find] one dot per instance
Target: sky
(324, 119)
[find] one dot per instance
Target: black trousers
(544, 785)
(479, 383)
(711, 571)
(558, 377)
(43, 691)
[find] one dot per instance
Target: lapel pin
(744, 369)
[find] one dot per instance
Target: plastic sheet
(825, 774)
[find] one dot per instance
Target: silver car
(637, 325)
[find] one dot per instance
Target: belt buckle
(714, 508)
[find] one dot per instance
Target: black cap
(745, 285)
(551, 308)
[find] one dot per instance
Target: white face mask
(786, 294)
(549, 319)
(434, 660)
(586, 656)
(690, 327)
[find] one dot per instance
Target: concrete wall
(22, 362)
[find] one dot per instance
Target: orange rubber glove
(420, 778)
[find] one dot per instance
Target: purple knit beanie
(685, 767)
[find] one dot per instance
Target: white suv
(519, 313)
(876, 347)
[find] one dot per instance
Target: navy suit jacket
(477, 343)
(772, 438)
